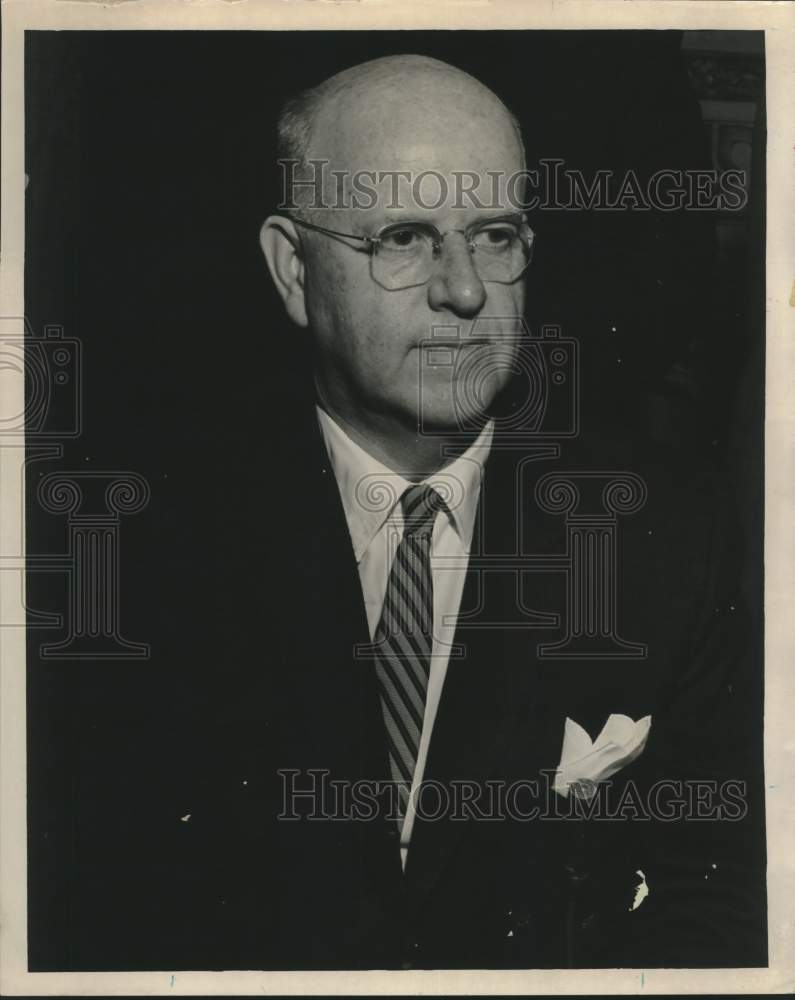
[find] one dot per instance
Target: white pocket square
(584, 763)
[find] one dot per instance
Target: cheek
(324, 273)
(375, 325)
(356, 329)
(506, 300)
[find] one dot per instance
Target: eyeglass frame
(373, 242)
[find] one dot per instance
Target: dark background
(150, 165)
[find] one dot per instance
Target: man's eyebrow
(403, 217)
(500, 217)
(387, 217)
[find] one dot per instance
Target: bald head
(397, 109)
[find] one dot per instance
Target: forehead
(440, 124)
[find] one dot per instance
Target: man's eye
(495, 237)
(401, 239)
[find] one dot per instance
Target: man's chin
(450, 422)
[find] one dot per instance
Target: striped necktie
(404, 637)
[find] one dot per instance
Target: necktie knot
(421, 504)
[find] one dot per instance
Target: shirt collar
(370, 490)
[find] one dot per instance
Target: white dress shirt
(370, 495)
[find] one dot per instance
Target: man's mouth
(435, 342)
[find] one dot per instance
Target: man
(369, 338)
(368, 783)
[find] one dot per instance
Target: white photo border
(778, 22)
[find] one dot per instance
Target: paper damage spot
(186, 817)
(641, 891)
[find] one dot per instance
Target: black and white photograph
(391, 583)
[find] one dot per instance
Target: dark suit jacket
(179, 858)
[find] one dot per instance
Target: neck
(400, 448)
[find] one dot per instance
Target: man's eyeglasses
(404, 254)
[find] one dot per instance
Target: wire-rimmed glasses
(404, 254)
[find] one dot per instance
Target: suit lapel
(491, 697)
(296, 615)
(325, 583)
(337, 692)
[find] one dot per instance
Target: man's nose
(456, 285)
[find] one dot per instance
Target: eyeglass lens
(407, 254)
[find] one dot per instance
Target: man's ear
(282, 248)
